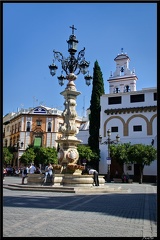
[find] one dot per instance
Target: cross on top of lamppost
(73, 28)
(71, 65)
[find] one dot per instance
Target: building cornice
(131, 110)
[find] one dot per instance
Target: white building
(129, 113)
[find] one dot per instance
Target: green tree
(7, 156)
(120, 152)
(140, 154)
(46, 155)
(28, 156)
(95, 109)
(39, 155)
(85, 152)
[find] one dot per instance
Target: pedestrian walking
(4, 173)
(24, 174)
(28, 167)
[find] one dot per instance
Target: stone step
(89, 189)
(41, 188)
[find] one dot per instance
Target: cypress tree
(94, 117)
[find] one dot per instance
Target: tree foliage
(39, 155)
(28, 156)
(47, 155)
(95, 108)
(140, 154)
(120, 152)
(85, 152)
(7, 156)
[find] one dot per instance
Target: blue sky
(31, 31)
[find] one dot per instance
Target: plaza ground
(132, 213)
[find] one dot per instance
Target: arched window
(28, 126)
(6, 142)
(122, 71)
(116, 90)
(49, 126)
(127, 89)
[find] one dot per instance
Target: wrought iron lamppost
(108, 142)
(17, 146)
(72, 66)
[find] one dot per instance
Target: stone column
(68, 153)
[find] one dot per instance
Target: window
(37, 142)
(19, 126)
(137, 128)
(114, 129)
(122, 71)
(116, 90)
(12, 129)
(6, 142)
(39, 122)
(49, 127)
(127, 89)
(4, 132)
(155, 96)
(129, 167)
(28, 126)
(114, 100)
(137, 98)
(16, 127)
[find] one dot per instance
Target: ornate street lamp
(72, 66)
(108, 142)
(18, 146)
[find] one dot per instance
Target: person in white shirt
(48, 170)
(28, 169)
(95, 176)
(32, 168)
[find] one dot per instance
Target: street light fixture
(72, 66)
(17, 146)
(71, 63)
(108, 142)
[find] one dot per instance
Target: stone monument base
(65, 180)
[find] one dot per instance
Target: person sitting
(48, 172)
(38, 171)
(127, 178)
(32, 169)
(124, 177)
(17, 172)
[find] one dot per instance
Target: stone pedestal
(80, 180)
(58, 179)
(72, 180)
(33, 179)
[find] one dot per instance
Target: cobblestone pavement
(46, 214)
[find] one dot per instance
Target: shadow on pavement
(122, 205)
